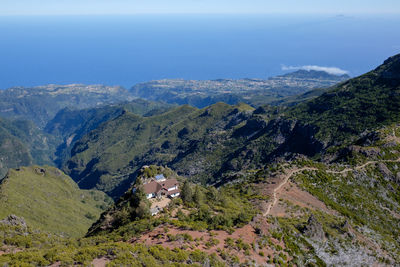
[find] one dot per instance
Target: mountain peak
(395, 58)
(390, 69)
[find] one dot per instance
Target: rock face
(313, 229)
(14, 220)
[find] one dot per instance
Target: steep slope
(292, 189)
(366, 102)
(69, 121)
(69, 125)
(326, 214)
(213, 144)
(13, 152)
(251, 91)
(22, 144)
(49, 200)
(320, 126)
(108, 157)
(40, 104)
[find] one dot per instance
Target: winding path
(279, 187)
(294, 171)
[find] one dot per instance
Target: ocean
(125, 50)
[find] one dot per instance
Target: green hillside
(212, 144)
(108, 157)
(81, 121)
(23, 143)
(312, 183)
(364, 103)
(70, 125)
(50, 200)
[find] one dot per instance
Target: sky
(111, 7)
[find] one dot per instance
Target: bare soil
(291, 193)
(101, 262)
(247, 233)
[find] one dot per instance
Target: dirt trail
(289, 174)
(362, 166)
(279, 187)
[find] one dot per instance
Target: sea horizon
(129, 49)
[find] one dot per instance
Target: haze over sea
(124, 50)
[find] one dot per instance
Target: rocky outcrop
(14, 220)
(383, 169)
(313, 229)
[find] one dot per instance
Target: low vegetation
(50, 201)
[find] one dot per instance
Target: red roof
(152, 187)
(169, 183)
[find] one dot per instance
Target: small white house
(162, 186)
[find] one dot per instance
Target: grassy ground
(49, 200)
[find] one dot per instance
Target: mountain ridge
(314, 182)
(237, 138)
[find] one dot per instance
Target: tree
(212, 193)
(143, 210)
(139, 204)
(187, 192)
(198, 195)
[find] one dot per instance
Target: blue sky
(79, 7)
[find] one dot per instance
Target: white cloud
(330, 70)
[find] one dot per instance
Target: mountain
(310, 75)
(70, 125)
(364, 103)
(310, 183)
(251, 91)
(61, 115)
(49, 200)
(108, 157)
(298, 212)
(23, 143)
(351, 207)
(212, 143)
(40, 104)
(340, 207)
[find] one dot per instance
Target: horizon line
(199, 13)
